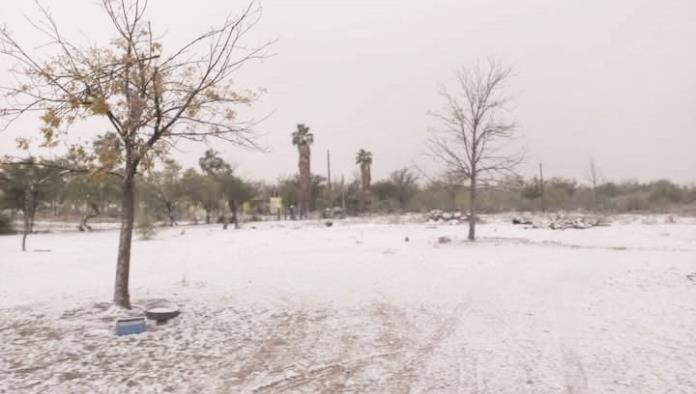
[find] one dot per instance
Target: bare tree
(471, 137)
(594, 176)
(150, 99)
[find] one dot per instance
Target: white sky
(614, 80)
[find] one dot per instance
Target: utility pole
(541, 187)
(328, 170)
(343, 195)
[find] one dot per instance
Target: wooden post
(541, 187)
(343, 195)
(328, 170)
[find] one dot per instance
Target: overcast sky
(613, 80)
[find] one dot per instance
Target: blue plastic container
(134, 325)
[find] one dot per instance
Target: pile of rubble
(562, 222)
(437, 216)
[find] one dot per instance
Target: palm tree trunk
(305, 179)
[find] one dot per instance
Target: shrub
(6, 226)
(145, 226)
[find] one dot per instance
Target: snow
(299, 307)
(161, 310)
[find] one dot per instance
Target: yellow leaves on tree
(99, 106)
(212, 95)
(51, 121)
(241, 99)
(108, 151)
(193, 108)
(73, 102)
(22, 143)
(230, 114)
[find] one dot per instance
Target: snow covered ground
(298, 307)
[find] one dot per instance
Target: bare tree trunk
(171, 213)
(472, 208)
(207, 216)
(121, 292)
(233, 209)
(25, 233)
(225, 219)
(29, 212)
(92, 213)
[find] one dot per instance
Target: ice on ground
(298, 307)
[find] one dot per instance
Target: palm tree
(364, 160)
(302, 138)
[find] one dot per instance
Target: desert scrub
(146, 226)
(6, 226)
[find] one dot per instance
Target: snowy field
(289, 307)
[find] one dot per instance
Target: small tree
(234, 190)
(471, 135)
(25, 187)
(164, 190)
(289, 191)
(145, 225)
(150, 98)
(202, 190)
(303, 139)
(92, 193)
(400, 188)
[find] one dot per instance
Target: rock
(437, 216)
(521, 220)
(444, 240)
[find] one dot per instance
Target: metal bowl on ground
(162, 314)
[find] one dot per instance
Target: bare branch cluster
(471, 136)
(148, 95)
